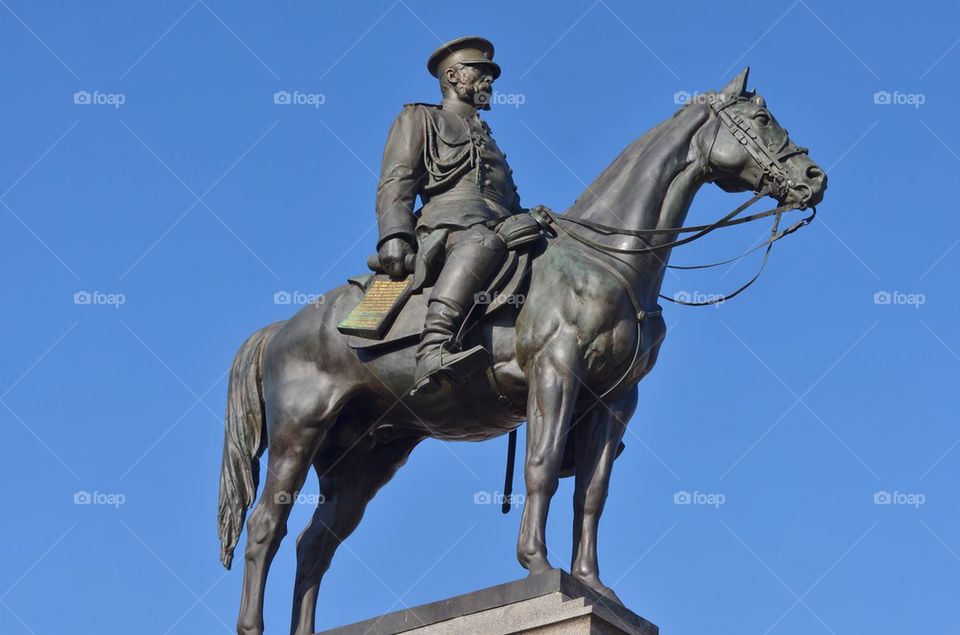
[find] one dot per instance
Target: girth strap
(640, 313)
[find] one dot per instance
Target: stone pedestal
(553, 603)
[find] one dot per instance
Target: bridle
(769, 162)
(774, 181)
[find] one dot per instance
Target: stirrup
(455, 367)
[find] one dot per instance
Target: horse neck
(649, 186)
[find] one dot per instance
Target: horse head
(752, 151)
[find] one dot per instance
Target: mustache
(484, 85)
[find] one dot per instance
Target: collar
(458, 107)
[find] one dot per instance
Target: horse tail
(245, 439)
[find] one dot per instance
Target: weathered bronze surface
(567, 358)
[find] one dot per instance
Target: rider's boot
(471, 262)
(438, 356)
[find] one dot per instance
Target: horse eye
(761, 118)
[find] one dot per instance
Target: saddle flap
(511, 288)
(405, 316)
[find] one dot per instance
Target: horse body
(574, 356)
(313, 375)
(362, 393)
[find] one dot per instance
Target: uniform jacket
(452, 163)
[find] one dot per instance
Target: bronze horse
(574, 353)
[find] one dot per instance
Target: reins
(701, 230)
(775, 235)
(697, 231)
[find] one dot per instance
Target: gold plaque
(379, 307)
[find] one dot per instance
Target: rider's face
(474, 84)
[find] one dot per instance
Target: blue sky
(146, 167)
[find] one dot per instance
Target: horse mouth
(804, 195)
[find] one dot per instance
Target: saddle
(391, 313)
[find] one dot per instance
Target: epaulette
(418, 103)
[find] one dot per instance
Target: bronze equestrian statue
(567, 360)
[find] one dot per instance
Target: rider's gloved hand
(392, 254)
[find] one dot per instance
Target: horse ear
(737, 85)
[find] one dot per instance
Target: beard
(477, 93)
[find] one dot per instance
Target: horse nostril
(814, 173)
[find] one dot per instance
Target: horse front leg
(598, 435)
(553, 387)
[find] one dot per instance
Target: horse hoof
(600, 588)
(535, 565)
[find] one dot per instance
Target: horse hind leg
(296, 434)
(347, 483)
